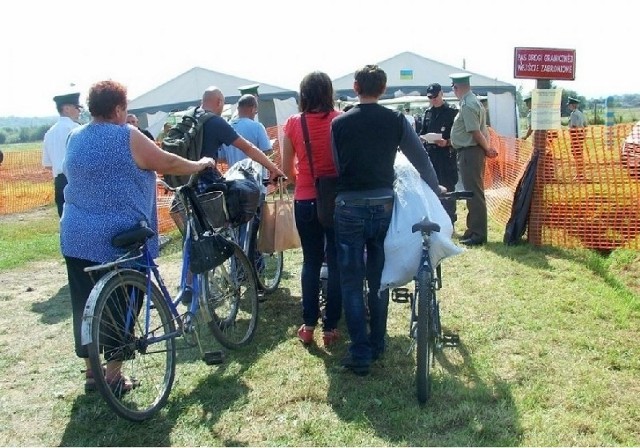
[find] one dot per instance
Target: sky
(47, 45)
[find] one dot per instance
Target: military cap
(571, 100)
(434, 89)
(460, 78)
(251, 89)
(69, 98)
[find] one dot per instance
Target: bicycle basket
(212, 204)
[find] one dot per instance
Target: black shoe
(473, 241)
(360, 368)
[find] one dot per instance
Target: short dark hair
(316, 93)
(372, 80)
(248, 100)
(104, 97)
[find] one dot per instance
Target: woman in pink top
(316, 103)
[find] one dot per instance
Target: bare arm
(148, 156)
(288, 159)
(255, 154)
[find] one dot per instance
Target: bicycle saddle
(425, 226)
(131, 237)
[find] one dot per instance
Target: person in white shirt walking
(55, 142)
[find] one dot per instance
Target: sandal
(90, 382)
(121, 384)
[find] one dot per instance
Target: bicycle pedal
(401, 295)
(213, 358)
(450, 340)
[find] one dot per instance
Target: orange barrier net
(587, 187)
(591, 201)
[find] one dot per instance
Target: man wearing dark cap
(438, 119)
(577, 124)
(470, 137)
(55, 142)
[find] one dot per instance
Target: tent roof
(187, 88)
(410, 72)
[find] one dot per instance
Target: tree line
(23, 134)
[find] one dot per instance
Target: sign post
(543, 65)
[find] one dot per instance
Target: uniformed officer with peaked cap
(470, 136)
(55, 141)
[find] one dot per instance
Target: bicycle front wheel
(424, 335)
(269, 270)
(127, 325)
(230, 297)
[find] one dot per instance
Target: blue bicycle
(131, 320)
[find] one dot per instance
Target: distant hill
(26, 122)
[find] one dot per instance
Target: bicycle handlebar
(456, 195)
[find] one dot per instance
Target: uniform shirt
(319, 126)
(250, 130)
(107, 193)
(577, 119)
(439, 120)
(365, 142)
(471, 117)
(55, 143)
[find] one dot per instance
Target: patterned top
(107, 193)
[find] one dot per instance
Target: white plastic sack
(413, 201)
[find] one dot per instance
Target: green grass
(24, 239)
(30, 146)
(549, 357)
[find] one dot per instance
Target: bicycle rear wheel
(424, 336)
(269, 270)
(231, 299)
(125, 323)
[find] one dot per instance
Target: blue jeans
(317, 241)
(360, 227)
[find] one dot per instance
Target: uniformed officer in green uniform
(577, 124)
(470, 137)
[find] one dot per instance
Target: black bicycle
(425, 329)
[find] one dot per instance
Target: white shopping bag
(413, 201)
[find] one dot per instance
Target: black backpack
(185, 140)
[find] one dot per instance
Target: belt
(468, 147)
(365, 202)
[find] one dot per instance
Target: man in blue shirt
(246, 126)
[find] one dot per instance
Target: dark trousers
(58, 187)
(316, 241)
(80, 286)
(360, 228)
(471, 162)
(445, 164)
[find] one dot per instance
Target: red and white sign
(544, 63)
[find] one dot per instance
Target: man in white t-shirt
(55, 142)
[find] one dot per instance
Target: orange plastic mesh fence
(24, 183)
(591, 201)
